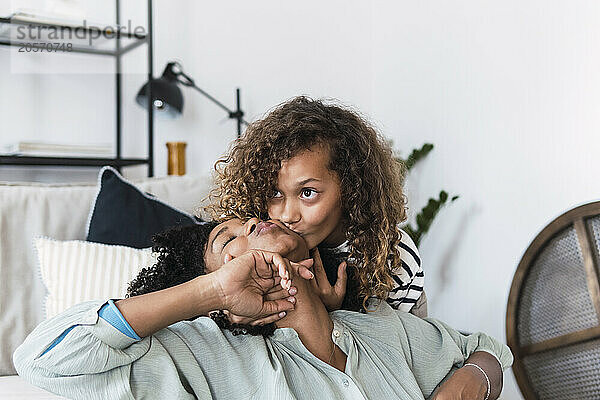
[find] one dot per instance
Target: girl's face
(308, 198)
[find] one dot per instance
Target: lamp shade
(167, 98)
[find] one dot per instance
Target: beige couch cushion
(59, 212)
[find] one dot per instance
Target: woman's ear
(228, 257)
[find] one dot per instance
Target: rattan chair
(553, 314)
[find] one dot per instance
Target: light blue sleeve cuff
(111, 314)
(59, 339)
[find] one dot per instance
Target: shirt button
(346, 383)
(336, 333)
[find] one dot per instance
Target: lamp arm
(217, 102)
(189, 82)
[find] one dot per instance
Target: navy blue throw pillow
(124, 215)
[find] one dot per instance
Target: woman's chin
(293, 250)
(311, 243)
(298, 254)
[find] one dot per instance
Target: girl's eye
(277, 195)
(309, 193)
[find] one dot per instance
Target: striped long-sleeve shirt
(408, 277)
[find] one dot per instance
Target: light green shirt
(390, 354)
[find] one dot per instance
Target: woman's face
(308, 200)
(233, 238)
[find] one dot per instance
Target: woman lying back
(311, 353)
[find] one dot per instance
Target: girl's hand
(465, 384)
(331, 296)
(249, 285)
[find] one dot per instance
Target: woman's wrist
(485, 376)
(207, 294)
(492, 368)
(151, 312)
(466, 383)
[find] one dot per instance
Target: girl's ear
(228, 257)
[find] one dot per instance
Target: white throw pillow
(75, 271)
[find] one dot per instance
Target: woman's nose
(250, 226)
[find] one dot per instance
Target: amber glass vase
(176, 163)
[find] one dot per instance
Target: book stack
(42, 149)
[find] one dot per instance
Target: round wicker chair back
(553, 313)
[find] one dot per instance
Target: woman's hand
(276, 293)
(331, 296)
(244, 284)
(467, 383)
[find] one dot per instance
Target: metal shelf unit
(120, 44)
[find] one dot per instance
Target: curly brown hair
(372, 198)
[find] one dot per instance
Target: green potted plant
(428, 213)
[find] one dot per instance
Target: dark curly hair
(372, 198)
(181, 259)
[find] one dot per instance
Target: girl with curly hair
(326, 173)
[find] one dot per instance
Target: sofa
(62, 212)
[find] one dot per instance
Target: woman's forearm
(151, 312)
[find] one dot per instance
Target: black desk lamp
(167, 98)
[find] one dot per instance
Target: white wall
(272, 51)
(507, 91)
